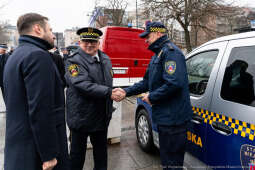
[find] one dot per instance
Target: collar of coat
(89, 58)
(36, 41)
(157, 45)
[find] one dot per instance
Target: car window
(72, 49)
(199, 68)
(238, 81)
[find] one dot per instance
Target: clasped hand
(118, 94)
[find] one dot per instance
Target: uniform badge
(170, 67)
(90, 30)
(73, 70)
(247, 156)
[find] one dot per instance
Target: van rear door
(128, 53)
(114, 44)
(140, 58)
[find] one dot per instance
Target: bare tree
(112, 13)
(3, 31)
(186, 12)
(3, 36)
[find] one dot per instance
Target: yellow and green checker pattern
(90, 33)
(239, 128)
(157, 29)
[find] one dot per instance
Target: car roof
(119, 28)
(229, 37)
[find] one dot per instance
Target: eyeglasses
(93, 42)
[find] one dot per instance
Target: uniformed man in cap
(3, 59)
(167, 83)
(89, 99)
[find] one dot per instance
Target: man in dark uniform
(59, 62)
(3, 59)
(89, 99)
(11, 50)
(167, 83)
(65, 54)
(34, 95)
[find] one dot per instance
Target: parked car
(221, 76)
(72, 49)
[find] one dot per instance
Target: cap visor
(144, 34)
(96, 39)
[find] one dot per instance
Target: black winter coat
(35, 117)
(3, 59)
(89, 82)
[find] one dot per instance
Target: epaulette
(170, 46)
(70, 56)
(159, 54)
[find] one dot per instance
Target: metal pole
(136, 14)
(57, 38)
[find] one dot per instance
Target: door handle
(197, 119)
(135, 62)
(221, 128)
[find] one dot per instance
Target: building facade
(12, 35)
(60, 41)
(217, 26)
(70, 36)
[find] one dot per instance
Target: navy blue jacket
(167, 83)
(35, 116)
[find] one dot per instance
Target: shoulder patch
(73, 70)
(170, 67)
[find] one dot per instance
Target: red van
(128, 52)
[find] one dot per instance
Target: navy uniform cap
(153, 27)
(3, 46)
(89, 33)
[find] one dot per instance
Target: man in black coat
(89, 99)
(35, 121)
(3, 59)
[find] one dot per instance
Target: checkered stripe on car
(243, 129)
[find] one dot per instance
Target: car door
(202, 68)
(233, 105)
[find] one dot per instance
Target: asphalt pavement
(125, 155)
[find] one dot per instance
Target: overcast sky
(63, 14)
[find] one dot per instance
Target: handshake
(118, 94)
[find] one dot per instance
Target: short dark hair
(26, 21)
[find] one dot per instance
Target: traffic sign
(252, 23)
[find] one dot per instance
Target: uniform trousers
(79, 145)
(172, 142)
